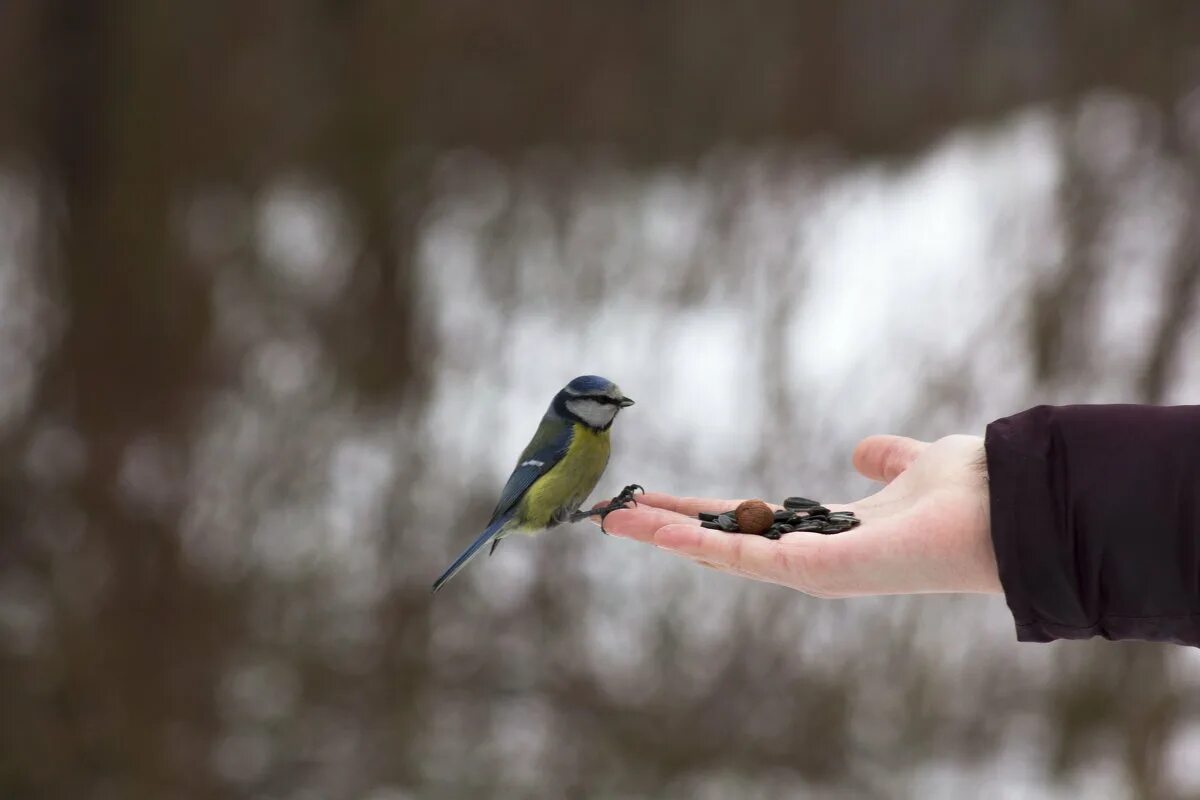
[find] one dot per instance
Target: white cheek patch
(598, 415)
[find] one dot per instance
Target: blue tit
(558, 469)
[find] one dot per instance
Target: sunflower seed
(797, 503)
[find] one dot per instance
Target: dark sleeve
(1095, 514)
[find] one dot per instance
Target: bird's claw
(629, 494)
(626, 496)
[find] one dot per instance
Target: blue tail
(460, 562)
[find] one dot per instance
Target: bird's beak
(624, 402)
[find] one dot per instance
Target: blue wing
(547, 448)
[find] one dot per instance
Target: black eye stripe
(600, 398)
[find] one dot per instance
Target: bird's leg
(620, 501)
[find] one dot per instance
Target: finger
(737, 573)
(680, 505)
(751, 555)
(883, 457)
(690, 506)
(641, 522)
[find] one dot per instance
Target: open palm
(926, 530)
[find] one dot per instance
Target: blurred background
(285, 287)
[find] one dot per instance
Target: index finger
(642, 521)
(691, 506)
(749, 555)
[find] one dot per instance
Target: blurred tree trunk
(145, 659)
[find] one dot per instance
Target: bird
(558, 469)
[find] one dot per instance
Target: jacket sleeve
(1095, 514)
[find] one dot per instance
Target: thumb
(883, 457)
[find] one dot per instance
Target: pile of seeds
(798, 514)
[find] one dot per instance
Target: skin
(927, 530)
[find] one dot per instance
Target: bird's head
(592, 400)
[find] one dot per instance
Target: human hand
(927, 530)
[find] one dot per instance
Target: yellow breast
(569, 482)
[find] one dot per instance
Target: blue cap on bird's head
(590, 384)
